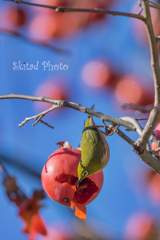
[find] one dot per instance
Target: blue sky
(113, 40)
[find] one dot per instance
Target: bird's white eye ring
(85, 173)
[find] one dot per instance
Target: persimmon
(98, 73)
(15, 16)
(52, 89)
(157, 134)
(60, 177)
(141, 226)
(129, 89)
(44, 25)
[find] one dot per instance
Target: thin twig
(142, 108)
(154, 5)
(38, 117)
(32, 41)
(155, 114)
(141, 119)
(123, 136)
(67, 9)
(3, 169)
(141, 10)
(46, 124)
(19, 163)
(138, 127)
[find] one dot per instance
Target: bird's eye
(85, 173)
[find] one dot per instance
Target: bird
(95, 151)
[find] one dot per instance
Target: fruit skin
(157, 134)
(65, 160)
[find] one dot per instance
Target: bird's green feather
(93, 149)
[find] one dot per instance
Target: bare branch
(155, 114)
(48, 125)
(67, 9)
(75, 106)
(32, 41)
(4, 169)
(19, 163)
(141, 10)
(143, 109)
(138, 127)
(123, 136)
(147, 156)
(38, 117)
(154, 5)
(78, 107)
(150, 159)
(141, 119)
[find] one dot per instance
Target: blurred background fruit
(56, 89)
(141, 226)
(14, 17)
(130, 89)
(98, 74)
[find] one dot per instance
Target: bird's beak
(79, 181)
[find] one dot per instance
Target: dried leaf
(10, 184)
(64, 144)
(27, 209)
(39, 194)
(37, 225)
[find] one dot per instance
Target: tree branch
(154, 5)
(19, 163)
(148, 157)
(78, 107)
(75, 106)
(67, 9)
(155, 114)
(140, 108)
(39, 116)
(32, 41)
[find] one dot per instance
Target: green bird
(94, 150)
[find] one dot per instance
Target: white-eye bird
(94, 150)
